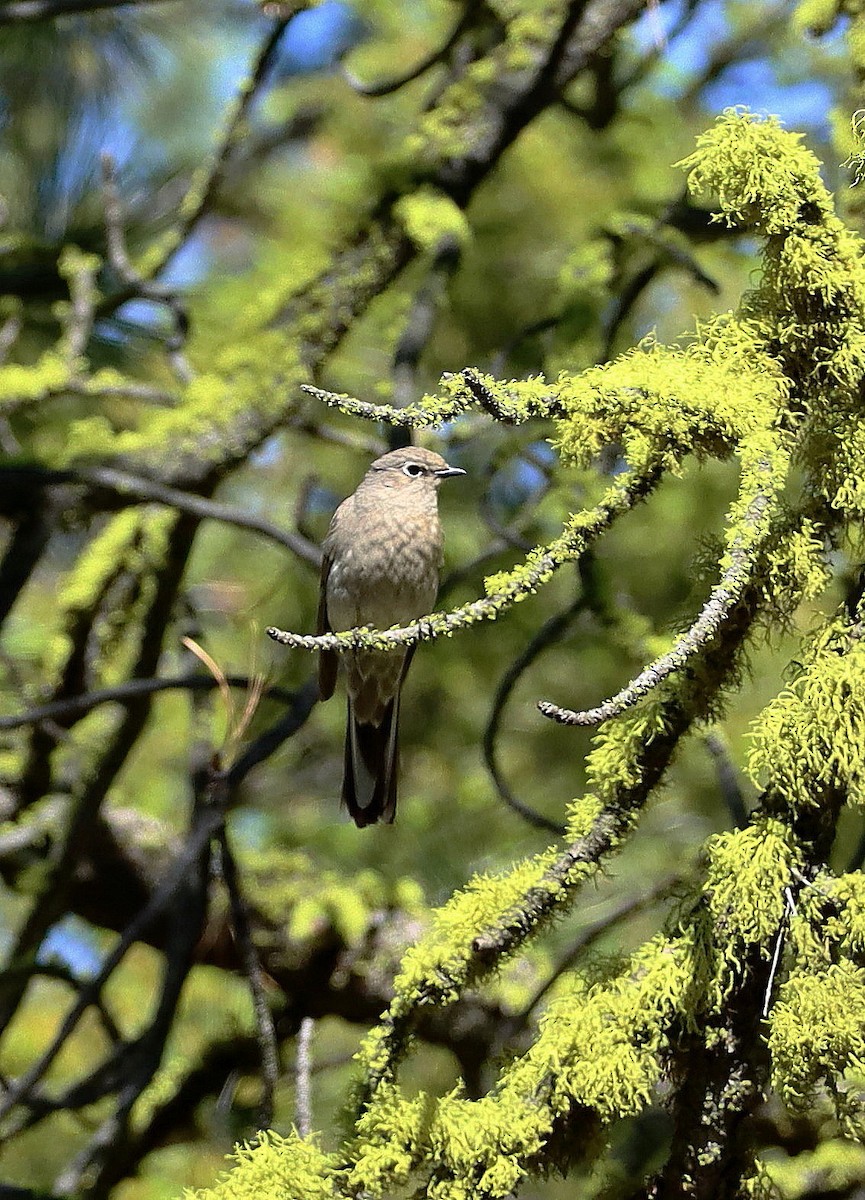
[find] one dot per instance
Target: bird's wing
(328, 660)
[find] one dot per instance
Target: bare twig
(82, 306)
(546, 636)
(264, 1025)
(91, 790)
(131, 1066)
(418, 330)
(728, 779)
(789, 911)
(15, 11)
(60, 971)
(362, 442)
(302, 1077)
(121, 693)
(199, 836)
(9, 331)
(625, 908)
(125, 484)
(301, 705)
(130, 389)
(199, 199)
(135, 283)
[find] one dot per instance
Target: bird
(381, 561)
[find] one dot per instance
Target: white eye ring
(412, 469)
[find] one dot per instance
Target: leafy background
(562, 268)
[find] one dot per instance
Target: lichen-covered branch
(506, 590)
(748, 537)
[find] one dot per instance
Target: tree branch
(717, 609)
(125, 484)
(582, 530)
(15, 11)
(121, 693)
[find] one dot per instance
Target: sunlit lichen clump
(775, 385)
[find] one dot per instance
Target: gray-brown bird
(382, 557)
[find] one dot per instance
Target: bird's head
(411, 467)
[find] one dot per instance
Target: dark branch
(72, 707)
(15, 11)
(125, 484)
(389, 86)
(264, 1023)
(548, 634)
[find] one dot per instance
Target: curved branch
(584, 528)
(546, 636)
(389, 86)
(717, 609)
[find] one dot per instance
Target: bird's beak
(449, 472)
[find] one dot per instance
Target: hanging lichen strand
(776, 384)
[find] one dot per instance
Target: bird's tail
(369, 781)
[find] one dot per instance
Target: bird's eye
(413, 469)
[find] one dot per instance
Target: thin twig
(130, 389)
(122, 693)
(9, 331)
(82, 306)
(15, 11)
(125, 484)
(789, 910)
(302, 1077)
(338, 437)
(418, 329)
(264, 1026)
(57, 970)
(131, 1067)
(728, 780)
(389, 86)
(546, 636)
(136, 283)
(625, 908)
(207, 824)
(200, 196)
(267, 743)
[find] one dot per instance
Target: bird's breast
(384, 571)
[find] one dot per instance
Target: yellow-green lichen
(748, 870)
(430, 218)
(599, 1046)
(275, 1166)
(810, 740)
(817, 1034)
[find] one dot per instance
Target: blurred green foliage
(580, 244)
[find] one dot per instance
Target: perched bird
(382, 557)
